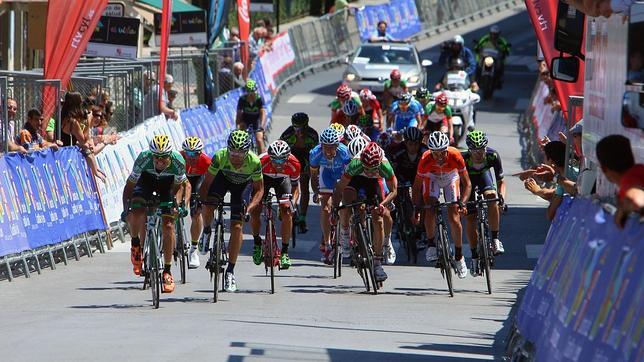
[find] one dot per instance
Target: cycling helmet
(438, 141)
(372, 155)
(422, 93)
(343, 92)
(367, 94)
(352, 131)
(251, 86)
(329, 137)
(405, 98)
(476, 140)
(300, 119)
(350, 108)
(457, 64)
(239, 140)
(365, 121)
(339, 128)
(279, 150)
(413, 134)
(357, 145)
(441, 99)
(458, 39)
(192, 144)
(395, 74)
(384, 140)
(160, 145)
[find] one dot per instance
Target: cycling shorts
(239, 195)
(251, 125)
(282, 187)
(438, 126)
(370, 188)
(146, 185)
(485, 183)
(449, 182)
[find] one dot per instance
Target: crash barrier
(584, 299)
(46, 197)
(434, 13)
(401, 17)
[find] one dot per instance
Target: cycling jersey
(432, 115)
(372, 107)
(406, 118)
(441, 176)
(405, 167)
(396, 91)
(199, 167)
(291, 168)
(491, 160)
(330, 170)
(355, 168)
(250, 111)
(144, 164)
(251, 168)
(307, 142)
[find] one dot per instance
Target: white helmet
(279, 150)
(352, 131)
(438, 141)
(357, 145)
(459, 39)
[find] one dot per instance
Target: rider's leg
(255, 221)
(169, 237)
(456, 229)
(235, 240)
(470, 230)
(304, 194)
(136, 222)
(388, 223)
(287, 224)
(259, 138)
(493, 214)
(378, 234)
(196, 226)
(325, 201)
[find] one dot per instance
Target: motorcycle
(462, 101)
(488, 72)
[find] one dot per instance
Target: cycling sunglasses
(479, 151)
(279, 162)
(159, 157)
(193, 153)
(238, 153)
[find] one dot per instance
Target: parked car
(372, 63)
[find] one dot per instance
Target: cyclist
(423, 96)
(251, 114)
(479, 160)
(352, 131)
(494, 40)
(351, 112)
(197, 164)
(372, 108)
(302, 138)
(232, 169)
(328, 161)
(281, 171)
(365, 122)
(343, 94)
(357, 145)
(394, 87)
(406, 112)
(160, 170)
(339, 128)
(438, 117)
(442, 167)
(366, 173)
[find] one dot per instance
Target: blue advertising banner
(401, 17)
(584, 300)
(50, 196)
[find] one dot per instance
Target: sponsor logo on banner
(186, 28)
(279, 58)
(114, 37)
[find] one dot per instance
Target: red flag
(166, 17)
(543, 14)
(243, 18)
(70, 24)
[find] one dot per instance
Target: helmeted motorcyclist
(456, 72)
(494, 40)
(456, 48)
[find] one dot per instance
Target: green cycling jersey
(355, 168)
(144, 163)
(434, 116)
(251, 168)
(336, 104)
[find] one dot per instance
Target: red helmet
(442, 99)
(395, 74)
(343, 92)
(372, 155)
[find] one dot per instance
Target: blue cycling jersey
(406, 118)
(330, 170)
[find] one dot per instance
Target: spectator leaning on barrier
(256, 41)
(9, 131)
(238, 75)
(165, 106)
(618, 165)
(100, 130)
(555, 157)
(225, 75)
(30, 137)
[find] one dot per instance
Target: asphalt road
(93, 309)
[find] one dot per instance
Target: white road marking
(304, 98)
(533, 251)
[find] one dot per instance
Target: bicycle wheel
(446, 256)
(365, 246)
(269, 257)
(155, 278)
(181, 249)
(484, 253)
(215, 262)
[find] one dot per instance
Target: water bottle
(204, 244)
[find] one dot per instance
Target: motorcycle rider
(458, 74)
(456, 49)
(494, 40)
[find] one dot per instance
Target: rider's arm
(416, 191)
(466, 185)
(315, 179)
(339, 187)
(471, 63)
(183, 192)
(392, 185)
(258, 191)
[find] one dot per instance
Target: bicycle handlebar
(441, 205)
(485, 201)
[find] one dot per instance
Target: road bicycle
(444, 251)
(407, 232)
(218, 256)
(484, 241)
(181, 247)
(271, 251)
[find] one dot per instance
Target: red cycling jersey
(198, 166)
(291, 168)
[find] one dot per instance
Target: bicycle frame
(484, 242)
(443, 246)
(152, 249)
(218, 255)
(270, 249)
(406, 231)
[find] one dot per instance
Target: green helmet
(476, 140)
(239, 140)
(251, 86)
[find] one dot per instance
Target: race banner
(187, 28)
(584, 299)
(401, 17)
(48, 196)
(114, 37)
(277, 59)
(243, 18)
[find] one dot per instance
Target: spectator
(618, 165)
(225, 75)
(75, 130)
(233, 43)
(172, 95)
(555, 157)
(238, 75)
(268, 40)
(165, 109)
(9, 131)
(381, 33)
(30, 137)
(99, 130)
(256, 41)
(149, 97)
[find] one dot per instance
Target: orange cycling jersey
(453, 162)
